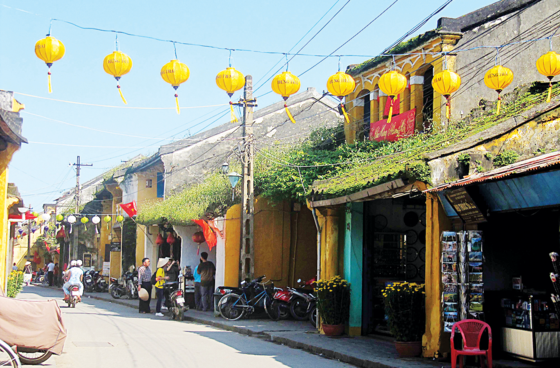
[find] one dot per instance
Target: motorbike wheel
(73, 303)
(313, 317)
(33, 356)
(284, 310)
(231, 307)
(298, 309)
(181, 314)
(115, 293)
(272, 308)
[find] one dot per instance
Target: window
(160, 185)
(148, 183)
(428, 99)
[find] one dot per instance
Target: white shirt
(75, 275)
(51, 267)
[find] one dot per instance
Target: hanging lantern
(84, 220)
(46, 217)
(230, 80)
(198, 237)
(392, 84)
(170, 239)
(95, 219)
(117, 64)
(35, 214)
(286, 84)
(175, 73)
(549, 66)
(107, 220)
(20, 231)
(341, 85)
(120, 218)
(49, 50)
(46, 228)
(159, 239)
(71, 219)
(498, 78)
(446, 83)
(59, 218)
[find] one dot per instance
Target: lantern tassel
(289, 114)
(122, 96)
(233, 116)
(345, 114)
(50, 85)
(499, 103)
(390, 111)
(447, 108)
(177, 104)
(549, 92)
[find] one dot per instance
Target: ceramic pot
(410, 349)
(333, 330)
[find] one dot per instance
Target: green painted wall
(353, 260)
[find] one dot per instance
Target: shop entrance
(394, 250)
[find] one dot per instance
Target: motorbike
(116, 289)
(88, 281)
(74, 296)
(282, 299)
(303, 301)
(131, 282)
(175, 300)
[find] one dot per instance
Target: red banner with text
(401, 126)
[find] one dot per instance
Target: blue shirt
(196, 275)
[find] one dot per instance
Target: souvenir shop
(499, 260)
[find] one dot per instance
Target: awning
(525, 166)
(28, 216)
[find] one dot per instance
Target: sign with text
(465, 207)
(401, 126)
(87, 260)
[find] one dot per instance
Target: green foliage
(464, 158)
(505, 158)
(489, 156)
(15, 284)
(333, 300)
(129, 243)
(405, 305)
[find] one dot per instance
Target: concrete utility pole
(247, 261)
(78, 165)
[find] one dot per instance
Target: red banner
(401, 126)
(209, 234)
(396, 106)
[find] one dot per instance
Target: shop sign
(115, 246)
(87, 260)
(464, 205)
(401, 126)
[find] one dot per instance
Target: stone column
(328, 220)
(417, 98)
(382, 103)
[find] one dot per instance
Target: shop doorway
(394, 250)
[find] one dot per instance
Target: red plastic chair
(471, 330)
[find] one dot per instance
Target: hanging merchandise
(475, 280)
(49, 50)
(498, 78)
(117, 64)
(450, 279)
(170, 239)
(159, 239)
(175, 73)
(341, 85)
(549, 66)
(286, 84)
(392, 84)
(445, 83)
(107, 220)
(59, 218)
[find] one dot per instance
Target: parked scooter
(282, 299)
(100, 285)
(303, 301)
(176, 300)
(131, 282)
(74, 296)
(116, 289)
(88, 281)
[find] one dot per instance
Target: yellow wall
(5, 158)
(285, 243)
(115, 265)
(145, 195)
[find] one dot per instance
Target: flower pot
(410, 349)
(333, 330)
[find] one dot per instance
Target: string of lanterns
(285, 84)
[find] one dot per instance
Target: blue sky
(41, 169)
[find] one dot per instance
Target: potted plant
(405, 305)
(333, 303)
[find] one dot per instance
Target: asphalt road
(103, 334)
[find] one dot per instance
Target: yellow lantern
(230, 80)
(445, 83)
(549, 66)
(175, 73)
(392, 84)
(498, 78)
(286, 84)
(117, 64)
(340, 85)
(49, 49)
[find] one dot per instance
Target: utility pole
(247, 261)
(78, 165)
(28, 236)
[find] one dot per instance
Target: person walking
(14, 267)
(50, 274)
(27, 273)
(55, 274)
(160, 280)
(206, 270)
(197, 295)
(144, 282)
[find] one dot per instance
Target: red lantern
(198, 237)
(170, 239)
(159, 240)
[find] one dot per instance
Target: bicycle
(8, 358)
(235, 306)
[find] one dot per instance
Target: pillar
(417, 98)
(328, 221)
(374, 101)
(5, 158)
(436, 221)
(353, 261)
(382, 103)
(232, 246)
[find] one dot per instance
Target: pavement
(358, 351)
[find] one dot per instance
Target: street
(102, 334)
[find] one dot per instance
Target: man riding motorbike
(74, 276)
